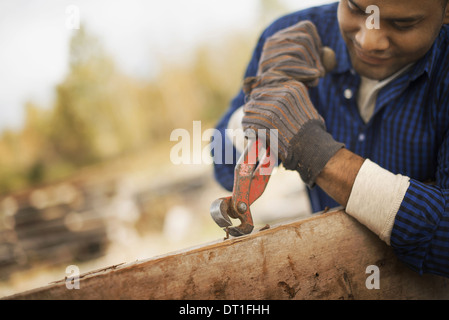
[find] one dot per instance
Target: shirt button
(348, 94)
(362, 137)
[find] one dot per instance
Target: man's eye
(354, 9)
(403, 25)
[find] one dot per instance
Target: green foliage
(99, 113)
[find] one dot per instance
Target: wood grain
(323, 257)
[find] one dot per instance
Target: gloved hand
(278, 99)
(293, 53)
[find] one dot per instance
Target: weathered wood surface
(324, 257)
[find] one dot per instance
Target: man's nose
(372, 39)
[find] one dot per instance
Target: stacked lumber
(50, 225)
(77, 220)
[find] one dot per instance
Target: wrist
(310, 150)
(338, 176)
(376, 197)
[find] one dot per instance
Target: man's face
(406, 31)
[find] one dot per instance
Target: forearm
(338, 176)
(368, 192)
(410, 216)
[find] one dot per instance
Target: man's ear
(446, 14)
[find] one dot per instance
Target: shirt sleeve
(420, 235)
(235, 131)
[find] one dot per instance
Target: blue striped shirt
(408, 134)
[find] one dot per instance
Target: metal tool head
(218, 211)
(221, 210)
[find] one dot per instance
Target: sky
(34, 37)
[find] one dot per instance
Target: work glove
(293, 53)
(277, 98)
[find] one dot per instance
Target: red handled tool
(250, 179)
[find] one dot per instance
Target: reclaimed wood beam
(328, 256)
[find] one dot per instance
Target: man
(383, 139)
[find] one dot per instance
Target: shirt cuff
(234, 131)
(376, 197)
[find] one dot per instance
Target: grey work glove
(277, 98)
(294, 53)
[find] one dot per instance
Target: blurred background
(90, 92)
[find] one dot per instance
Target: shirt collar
(341, 52)
(428, 63)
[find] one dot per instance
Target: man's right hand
(277, 98)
